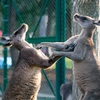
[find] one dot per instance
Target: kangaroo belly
(87, 76)
(87, 83)
(24, 87)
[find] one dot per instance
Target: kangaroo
(26, 77)
(86, 63)
(66, 91)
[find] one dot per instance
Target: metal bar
(5, 78)
(63, 38)
(41, 39)
(5, 33)
(60, 36)
(58, 32)
(17, 12)
(44, 8)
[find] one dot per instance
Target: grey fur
(66, 91)
(86, 63)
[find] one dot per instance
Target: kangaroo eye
(16, 33)
(84, 18)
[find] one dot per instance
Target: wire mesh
(40, 16)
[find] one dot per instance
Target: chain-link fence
(41, 17)
(38, 14)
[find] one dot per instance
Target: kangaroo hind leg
(90, 96)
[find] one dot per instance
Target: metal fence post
(60, 36)
(5, 33)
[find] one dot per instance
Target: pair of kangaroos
(26, 78)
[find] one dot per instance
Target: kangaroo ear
(96, 22)
(5, 41)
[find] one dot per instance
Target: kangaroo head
(18, 35)
(86, 21)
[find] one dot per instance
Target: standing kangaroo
(26, 78)
(86, 63)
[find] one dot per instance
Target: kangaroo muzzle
(22, 29)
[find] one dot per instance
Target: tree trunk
(12, 26)
(50, 11)
(89, 8)
(42, 29)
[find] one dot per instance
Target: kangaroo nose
(24, 25)
(76, 16)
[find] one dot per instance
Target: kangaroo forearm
(71, 55)
(55, 58)
(56, 45)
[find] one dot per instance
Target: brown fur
(26, 77)
(86, 63)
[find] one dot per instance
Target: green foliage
(68, 64)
